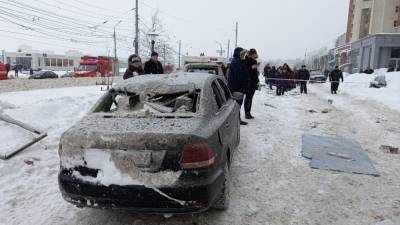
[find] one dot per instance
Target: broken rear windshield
(122, 103)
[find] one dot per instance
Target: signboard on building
(343, 49)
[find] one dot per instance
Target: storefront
(41, 61)
(375, 51)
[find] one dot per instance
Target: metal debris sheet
(337, 154)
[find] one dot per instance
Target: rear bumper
(195, 198)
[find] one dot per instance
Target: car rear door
(226, 114)
(233, 131)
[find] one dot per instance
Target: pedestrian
(31, 71)
(334, 77)
(304, 77)
(8, 68)
(237, 78)
(287, 76)
(16, 70)
(279, 82)
(272, 81)
(135, 67)
(153, 66)
(267, 75)
(253, 81)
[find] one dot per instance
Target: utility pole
(237, 32)
(137, 29)
(115, 45)
(229, 45)
(180, 46)
(165, 52)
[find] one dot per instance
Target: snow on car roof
(163, 84)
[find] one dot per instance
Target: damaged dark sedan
(153, 144)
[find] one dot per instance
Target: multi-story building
(368, 17)
(373, 34)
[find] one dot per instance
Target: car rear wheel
(222, 202)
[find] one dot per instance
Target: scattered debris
(390, 149)
(40, 136)
(315, 124)
(270, 105)
(29, 162)
(337, 154)
(312, 111)
(330, 101)
(325, 111)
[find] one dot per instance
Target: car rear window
(182, 103)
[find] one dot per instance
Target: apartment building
(369, 17)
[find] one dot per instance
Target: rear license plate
(130, 161)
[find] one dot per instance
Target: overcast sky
(276, 28)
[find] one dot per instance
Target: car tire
(223, 199)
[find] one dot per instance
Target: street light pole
(137, 29)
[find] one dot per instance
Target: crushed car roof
(163, 84)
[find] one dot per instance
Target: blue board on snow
(337, 154)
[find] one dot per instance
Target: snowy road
(272, 183)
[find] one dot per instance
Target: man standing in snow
(153, 66)
(253, 81)
(237, 78)
(304, 76)
(8, 68)
(267, 74)
(334, 77)
(16, 70)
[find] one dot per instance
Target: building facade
(45, 61)
(369, 17)
(375, 51)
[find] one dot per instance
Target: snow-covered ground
(358, 85)
(271, 182)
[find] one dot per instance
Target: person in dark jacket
(268, 75)
(16, 70)
(153, 66)
(280, 83)
(135, 67)
(253, 81)
(237, 78)
(334, 77)
(304, 77)
(8, 68)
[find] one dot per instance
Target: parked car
(68, 75)
(317, 76)
(210, 68)
(44, 75)
(378, 82)
(153, 144)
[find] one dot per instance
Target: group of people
(285, 79)
(135, 68)
(243, 79)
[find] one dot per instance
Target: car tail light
(196, 156)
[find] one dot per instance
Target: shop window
(54, 62)
(71, 63)
(65, 62)
(395, 24)
(47, 62)
(59, 62)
